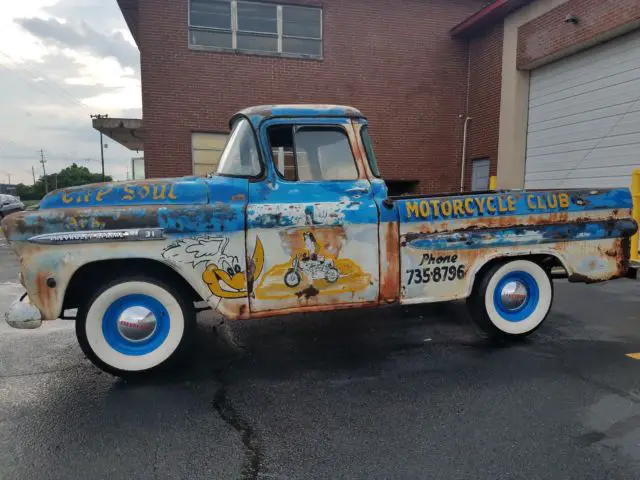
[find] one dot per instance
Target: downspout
(467, 118)
(464, 150)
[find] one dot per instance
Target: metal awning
(128, 132)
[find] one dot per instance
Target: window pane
(259, 43)
(210, 38)
(240, 156)
(255, 17)
(203, 141)
(211, 14)
(368, 146)
(301, 21)
(202, 169)
(328, 154)
(302, 47)
(207, 157)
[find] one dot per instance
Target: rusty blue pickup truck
(297, 219)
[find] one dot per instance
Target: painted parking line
(635, 356)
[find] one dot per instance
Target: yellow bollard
(635, 193)
(493, 181)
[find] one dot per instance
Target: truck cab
(297, 219)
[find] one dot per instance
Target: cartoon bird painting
(223, 273)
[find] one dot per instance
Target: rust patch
(308, 292)
(624, 252)
(487, 222)
(390, 263)
(45, 296)
(311, 309)
(579, 278)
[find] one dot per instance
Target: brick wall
(485, 83)
(395, 60)
(549, 35)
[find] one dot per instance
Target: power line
(33, 85)
(42, 76)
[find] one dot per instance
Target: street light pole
(102, 155)
(98, 116)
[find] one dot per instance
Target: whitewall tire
(511, 299)
(134, 325)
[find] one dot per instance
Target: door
(584, 118)
(480, 175)
(312, 222)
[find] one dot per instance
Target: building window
(480, 175)
(256, 27)
(206, 151)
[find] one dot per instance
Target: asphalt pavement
(388, 393)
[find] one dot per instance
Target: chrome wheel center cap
(514, 295)
(137, 324)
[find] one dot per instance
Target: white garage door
(584, 118)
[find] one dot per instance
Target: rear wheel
(135, 325)
(512, 299)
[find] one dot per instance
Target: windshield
(368, 146)
(240, 155)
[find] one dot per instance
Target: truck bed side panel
(445, 241)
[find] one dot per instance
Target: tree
(71, 176)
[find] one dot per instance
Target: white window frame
(234, 32)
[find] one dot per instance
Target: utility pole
(97, 116)
(33, 172)
(9, 175)
(43, 161)
(56, 177)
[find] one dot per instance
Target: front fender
(48, 270)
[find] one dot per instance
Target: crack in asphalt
(253, 451)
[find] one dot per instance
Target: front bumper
(22, 314)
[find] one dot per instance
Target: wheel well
(546, 261)
(92, 275)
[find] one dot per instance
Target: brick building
(508, 84)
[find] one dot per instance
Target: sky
(61, 61)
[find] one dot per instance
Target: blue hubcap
(516, 296)
(135, 324)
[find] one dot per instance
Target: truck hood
(177, 205)
(169, 191)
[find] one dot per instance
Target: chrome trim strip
(99, 236)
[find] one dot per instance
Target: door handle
(358, 190)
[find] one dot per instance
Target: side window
(312, 153)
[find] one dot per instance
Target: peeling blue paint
(521, 235)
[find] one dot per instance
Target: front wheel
(292, 278)
(511, 299)
(134, 325)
